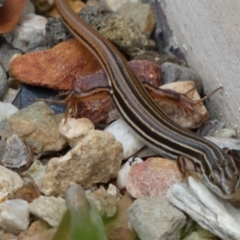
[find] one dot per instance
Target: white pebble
(124, 134)
(14, 215)
(29, 34)
(122, 176)
(6, 109)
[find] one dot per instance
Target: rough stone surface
(123, 133)
(105, 203)
(29, 34)
(6, 53)
(37, 126)
(152, 178)
(66, 61)
(3, 82)
(13, 152)
(122, 177)
(154, 218)
(6, 109)
(73, 130)
(9, 181)
(141, 14)
(14, 215)
(120, 30)
(96, 158)
(10, 14)
(49, 209)
(210, 211)
(115, 4)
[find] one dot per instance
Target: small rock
(104, 202)
(36, 171)
(114, 191)
(225, 133)
(64, 61)
(9, 181)
(14, 215)
(115, 4)
(6, 53)
(122, 177)
(209, 127)
(154, 218)
(179, 113)
(96, 158)
(13, 152)
(74, 130)
(56, 32)
(141, 14)
(206, 208)
(120, 30)
(26, 192)
(3, 82)
(229, 143)
(124, 134)
(30, 33)
(10, 13)
(49, 209)
(6, 109)
(118, 227)
(152, 178)
(37, 126)
(173, 73)
(10, 96)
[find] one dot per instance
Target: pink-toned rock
(152, 178)
(146, 71)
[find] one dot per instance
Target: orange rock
(153, 177)
(10, 13)
(55, 68)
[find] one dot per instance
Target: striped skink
(219, 171)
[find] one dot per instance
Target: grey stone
(141, 14)
(156, 219)
(173, 73)
(6, 53)
(206, 208)
(120, 30)
(3, 82)
(37, 125)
